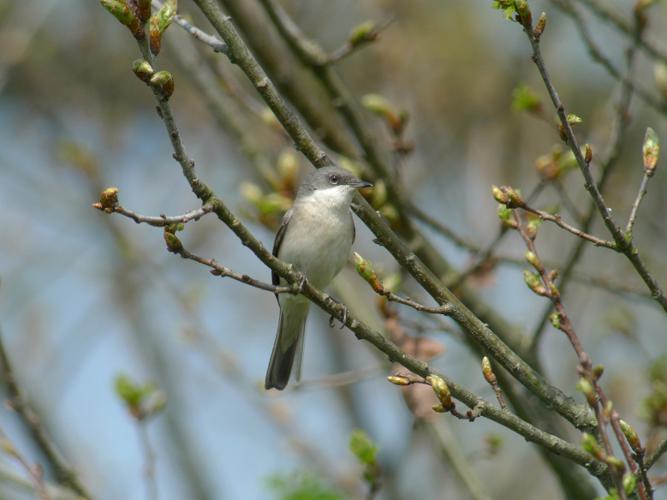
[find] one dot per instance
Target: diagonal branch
(477, 329)
(63, 471)
(623, 244)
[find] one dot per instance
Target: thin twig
(65, 475)
(149, 460)
(603, 12)
(225, 272)
(623, 244)
(655, 455)
(35, 471)
(161, 220)
(621, 122)
(563, 323)
(635, 205)
(580, 416)
(197, 33)
(598, 56)
(361, 330)
(557, 219)
(349, 48)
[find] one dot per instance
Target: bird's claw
(297, 287)
(332, 318)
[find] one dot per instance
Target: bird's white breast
(319, 236)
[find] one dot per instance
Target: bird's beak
(361, 184)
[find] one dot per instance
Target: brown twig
(635, 206)
(623, 244)
(557, 219)
(35, 471)
(477, 329)
(159, 221)
(65, 474)
(562, 321)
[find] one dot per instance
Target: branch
(577, 414)
(557, 219)
(635, 205)
(202, 36)
(65, 475)
(598, 56)
(655, 455)
(161, 220)
(623, 245)
(603, 13)
(621, 122)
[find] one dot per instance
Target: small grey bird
(315, 236)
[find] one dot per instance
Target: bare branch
(623, 245)
(65, 475)
(578, 415)
(635, 205)
(159, 221)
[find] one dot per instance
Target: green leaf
(363, 447)
(526, 99)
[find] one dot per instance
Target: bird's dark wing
(280, 235)
(354, 229)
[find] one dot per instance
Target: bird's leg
(297, 286)
(332, 318)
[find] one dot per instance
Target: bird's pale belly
(320, 253)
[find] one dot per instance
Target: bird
(316, 237)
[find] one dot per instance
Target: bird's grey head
(335, 181)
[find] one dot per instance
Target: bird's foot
(332, 318)
(297, 286)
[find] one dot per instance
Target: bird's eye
(333, 179)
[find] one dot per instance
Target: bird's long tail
(288, 346)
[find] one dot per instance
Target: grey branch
(623, 245)
(210, 40)
(161, 220)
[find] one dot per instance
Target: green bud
(398, 380)
(525, 99)
(573, 119)
(364, 32)
(554, 319)
(525, 16)
(590, 445)
(631, 435)
(500, 195)
(174, 245)
(629, 483)
(108, 198)
(441, 390)
(539, 27)
(363, 447)
(122, 12)
(164, 83)
(143, 70)
(487, 371)
(366, 271)
(534, 282)
(586, 388)
(533, 260)
(159, 22)
(650, 151)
